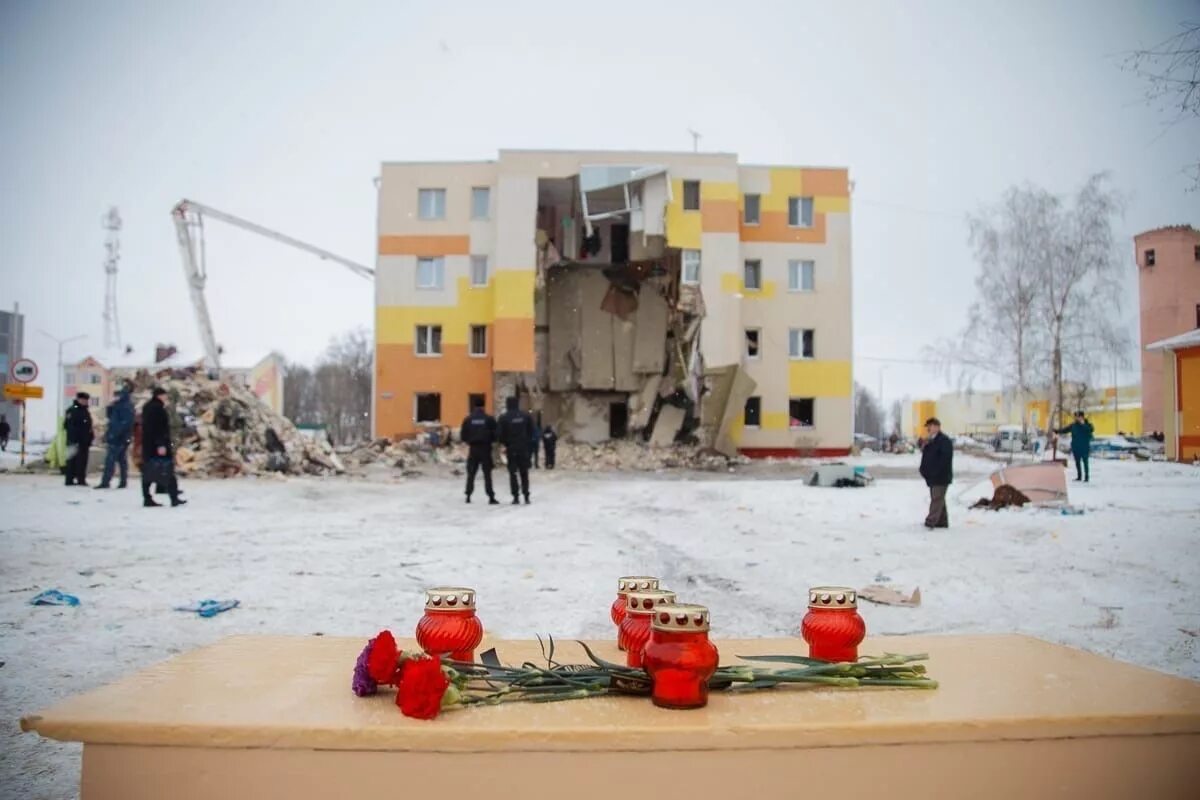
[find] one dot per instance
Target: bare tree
(300, 395)
(868, 413)
(898, 417)
(1012, 244)
(1079, 295)
(337, 392)
(1171, 70)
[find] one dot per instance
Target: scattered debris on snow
(884, 595)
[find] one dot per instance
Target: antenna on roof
(696, 135)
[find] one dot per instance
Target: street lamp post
(882, 407)
(60, 343)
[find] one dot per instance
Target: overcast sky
(281, 112)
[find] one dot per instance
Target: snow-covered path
(349, 557)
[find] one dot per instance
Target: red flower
(422, 686)
(381, 661)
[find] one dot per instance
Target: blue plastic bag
(53, 597)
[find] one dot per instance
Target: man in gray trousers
(937, 468)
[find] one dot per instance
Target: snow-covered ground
(342, 556)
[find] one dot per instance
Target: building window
(801, 342)
(428, 407)
(753, 338)
(691, 267)
(429, 340)
(431, 203)
(691, 195)
(479, 270)
(431, 273)
(753, 416)
(800, 212)
(94, 402)
(68, 377)
(481, 202)
(752, 275)
(1149, 258)
(1198, 315)
(750, 216)
(801, 412)
(990, 413)
(800, 276)
(479, 340)
(475, 401)
(95, 377)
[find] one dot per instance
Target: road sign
(22, 391)
(24, 370)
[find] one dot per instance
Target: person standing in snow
(479, 433)
(77, 423)
(117, 437)
(158, 456)
(1081, 445)
(550, 442)
(937, 468)
(516, 433)
(5, 432)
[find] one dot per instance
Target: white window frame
(746, 206)
(417, 404)
(796, 270)
(424, 337)
(475, 261)
(799, 223)
(796, 337)
(746, 349)
(745, 267)
(760, 413)
(692, 281)
(683, 197)
(439, 273)
(487, 211)
(802, 426)
(436, 212)
(471, 341)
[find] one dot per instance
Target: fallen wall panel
(596, 333)
(650, 343)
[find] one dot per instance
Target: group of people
(520, 436)
(937, 462)
(158, 452)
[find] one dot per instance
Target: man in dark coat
(1081, 445)
(937, 468)
(550, 442)
(78, 424)
(158, 456)
(479, 433)
(535, 442)
(116, 438)
(516, 432)
(5, 432)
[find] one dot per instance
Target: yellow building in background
(1111, 410)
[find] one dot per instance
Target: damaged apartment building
(669, 297)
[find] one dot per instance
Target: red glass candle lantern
(630, 583)
(635, 628)
(450, 626)
(833, 627)
(679, 657)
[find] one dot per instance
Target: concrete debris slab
(1041, 483)
(887, 596)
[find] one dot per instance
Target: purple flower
(363, 685)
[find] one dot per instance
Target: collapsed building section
(667, 298)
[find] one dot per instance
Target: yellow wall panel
(775, 421)
(710, 190)
(819, 379)
(514, 293)
(734, 284)
(835, 205)
(396, 324)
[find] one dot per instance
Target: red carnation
(422, 686)
(381, 661)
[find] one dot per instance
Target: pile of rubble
(623, 454)
(222, 430)
(404, 455)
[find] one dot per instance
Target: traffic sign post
(23, 372)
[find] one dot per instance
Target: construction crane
(189, 228)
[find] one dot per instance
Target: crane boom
(189, 216)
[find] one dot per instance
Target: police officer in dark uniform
(479, 432)
(516, 434)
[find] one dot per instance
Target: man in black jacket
(479, 433)
(937, 468)
(158, 456)
(78, 424)
(516, 433)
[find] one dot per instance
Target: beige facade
(590, 311)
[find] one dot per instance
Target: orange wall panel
(719, 216)
(424, 246)
(514, 345)
(773, 227)
(399, 371)
(829, 182)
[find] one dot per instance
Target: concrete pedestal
(273, 717)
